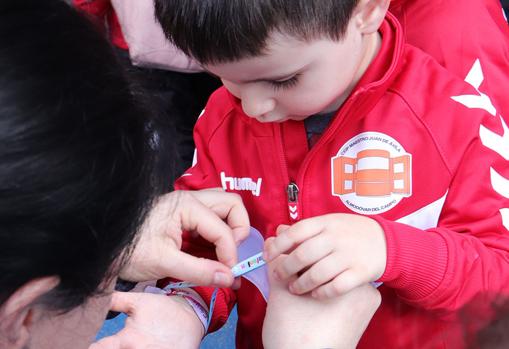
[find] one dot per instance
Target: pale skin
(217, 216)
(293, 321)
(329, 255)
(149, 323)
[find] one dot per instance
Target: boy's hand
(331, 254)
(154, 321)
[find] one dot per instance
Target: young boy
(386, 167)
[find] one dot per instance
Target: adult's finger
(124, 302)
(198, 217)
(229, 207)
(111, 342)
(200, 271)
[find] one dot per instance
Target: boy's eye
(283, 84)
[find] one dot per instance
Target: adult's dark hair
(75, 158)
(217, 31)
(495, 335)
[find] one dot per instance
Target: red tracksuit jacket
(413, 147)
(458, 33)
(101, 11)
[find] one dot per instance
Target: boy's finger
(318, 275)
(293, 236)
(303, 256)
(266, 246)
(281, 228)
(341, 284)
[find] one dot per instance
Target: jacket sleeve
(466, 257)
(97, 10)
(203, 175)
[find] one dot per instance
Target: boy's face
(295, 78)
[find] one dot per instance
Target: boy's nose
(258, 107)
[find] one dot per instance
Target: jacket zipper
(292, 190)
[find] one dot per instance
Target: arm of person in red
(102, 13)
(97, 10)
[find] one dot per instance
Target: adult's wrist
(196, 307)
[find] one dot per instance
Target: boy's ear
(369, 15)
(18, 313)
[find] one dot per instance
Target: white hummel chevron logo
(475, 77)
(293, 209)
(495, 142)
(499, 183)
(491, 140)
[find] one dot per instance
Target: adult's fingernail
(221, 279)
(236, 283)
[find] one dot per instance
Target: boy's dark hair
(218, 31)
(75, 156)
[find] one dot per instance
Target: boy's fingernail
(238, 240)
(291, 287)
(268, 254)
(221, 279)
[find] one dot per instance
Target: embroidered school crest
(371, 173)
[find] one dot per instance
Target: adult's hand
(155, 322)
(217, 216)
(301, 321)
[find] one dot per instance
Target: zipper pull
(293, 203)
